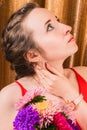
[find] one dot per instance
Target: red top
(81, 82)
(23, 90)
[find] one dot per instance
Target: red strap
(23, 90)
(82, 84)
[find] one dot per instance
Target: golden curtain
(71, 12)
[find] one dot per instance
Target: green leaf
(50, 127)
(37, 127)
(38, 98)
(66, 116)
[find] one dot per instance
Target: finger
(43, 78)
(49, 75)
(46, 73)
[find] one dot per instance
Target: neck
(58, 65)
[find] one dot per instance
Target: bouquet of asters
(36, 112)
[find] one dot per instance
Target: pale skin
(53, 36)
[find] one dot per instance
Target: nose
(66, 29)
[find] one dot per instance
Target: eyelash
(49, 25)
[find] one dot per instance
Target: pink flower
(50, 110)
(61, 122)
(28, 97)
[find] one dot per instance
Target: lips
(71, 39)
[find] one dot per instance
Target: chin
(72, 51)
(74, 48)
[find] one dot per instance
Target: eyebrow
(48, 21)
(57, 18)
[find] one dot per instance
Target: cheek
(53, 49)
(49, 42)
(53, 45)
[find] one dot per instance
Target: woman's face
(51, 35)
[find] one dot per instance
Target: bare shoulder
(82, 70)
(8, 97)
(10, 93)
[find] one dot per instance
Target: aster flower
(64, 123)
(26, 119)
(28, 97)
(60, 122)
(46, 110)
(35, 112)
(73, 125)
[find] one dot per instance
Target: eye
(49, 27)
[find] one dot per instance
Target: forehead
(40, 13)
(37, 17)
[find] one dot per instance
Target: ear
(32, 56)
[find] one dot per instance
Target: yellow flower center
(42, 105)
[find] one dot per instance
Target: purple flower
(26, 119)
(74, 126)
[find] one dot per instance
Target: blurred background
(71, 12)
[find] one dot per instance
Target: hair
(16, 42)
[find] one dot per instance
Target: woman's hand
(56, 83)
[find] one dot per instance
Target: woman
(36, 44)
